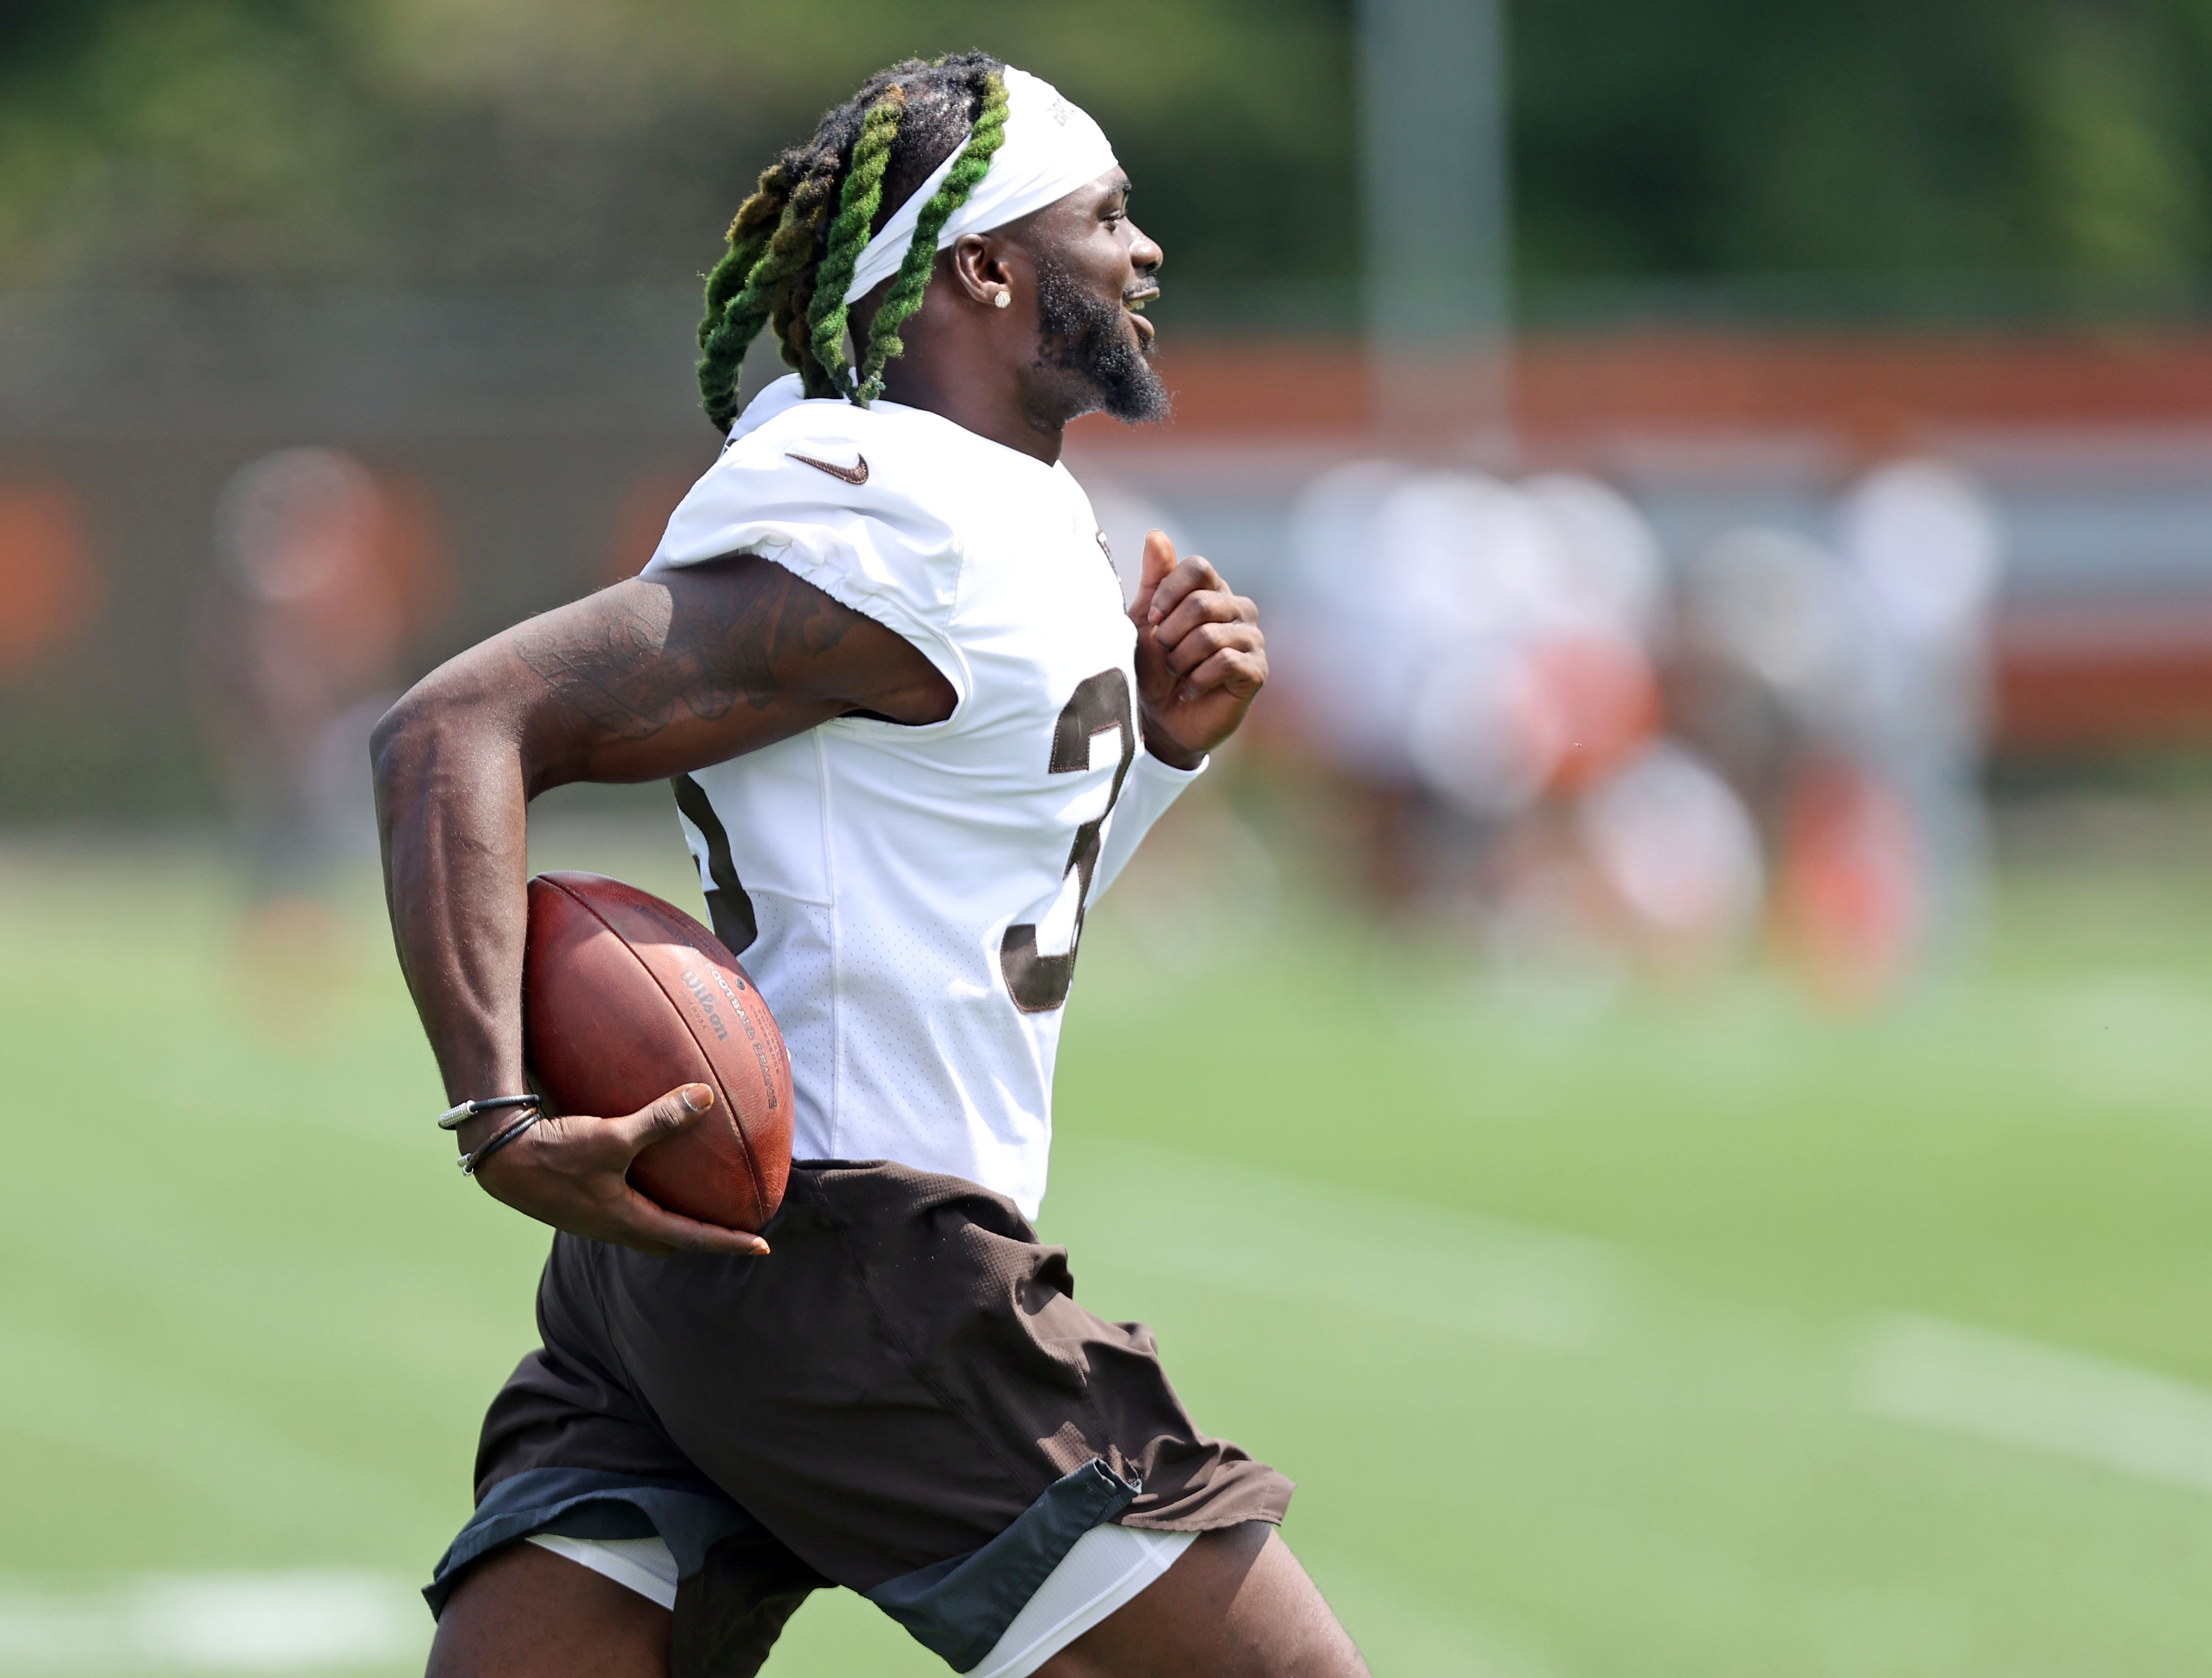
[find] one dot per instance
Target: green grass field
(1706, 1337)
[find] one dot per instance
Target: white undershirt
(1104, 1569)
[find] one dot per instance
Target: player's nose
(1145, 255)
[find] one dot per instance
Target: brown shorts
(905, 1399)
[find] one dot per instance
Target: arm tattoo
(633, 666)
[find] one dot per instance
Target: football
(625, 997)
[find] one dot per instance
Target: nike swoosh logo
(856, 474)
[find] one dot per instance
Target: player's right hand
(573, 1172)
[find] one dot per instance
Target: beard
(1086, 337)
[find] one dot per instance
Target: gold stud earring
(1002, 300)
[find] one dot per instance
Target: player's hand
(574, 1173)
(1200, 657)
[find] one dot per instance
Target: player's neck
(979, 392)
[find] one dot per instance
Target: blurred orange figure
(1602, 707)
(1848, 908)
(49, 588)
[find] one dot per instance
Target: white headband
(1051, 147)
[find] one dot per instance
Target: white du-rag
(1050, 147)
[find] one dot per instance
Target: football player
(913, 732)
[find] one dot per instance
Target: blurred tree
(2062, 138)
(601, 140)
(158, 141)
(2122, 188)
(432, 141)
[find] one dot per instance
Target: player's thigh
(1235, 1605)
(523, 1612)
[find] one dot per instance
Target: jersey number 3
(1039, 982)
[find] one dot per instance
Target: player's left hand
(1200, 657)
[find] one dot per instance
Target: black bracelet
(469, 1162)
(454, 1118)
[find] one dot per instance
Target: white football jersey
(909, 899)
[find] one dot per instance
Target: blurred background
(1684, 1019)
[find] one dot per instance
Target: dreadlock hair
(796, 242)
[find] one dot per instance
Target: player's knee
(1277, 1622)
(1236, 1605)
(525, 1611)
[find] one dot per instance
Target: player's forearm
(452, 799)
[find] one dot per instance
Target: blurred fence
(517, 430)
(2095, 449)
(533, 440)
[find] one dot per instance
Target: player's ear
(979, 269)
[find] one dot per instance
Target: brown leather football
(625, 997)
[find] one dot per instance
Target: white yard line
(2022, 1392)
(1288, 1237)
(1294, 1238)
(235, 1622)
(1378, 1254)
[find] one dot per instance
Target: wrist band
(469, 1162)
(454, 1116)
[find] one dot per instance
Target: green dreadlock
(786, 270)
(767, 258)
(749, 235)
(856, 212)
(905, 295)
